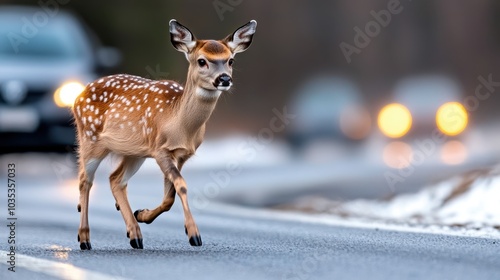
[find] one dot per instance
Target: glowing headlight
(452, 118)
(394, 120)
(66, 94)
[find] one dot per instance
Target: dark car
(328, 108)
(45, 61)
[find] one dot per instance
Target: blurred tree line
(298, 39)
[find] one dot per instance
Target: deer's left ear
(180, 36)
(241, 39)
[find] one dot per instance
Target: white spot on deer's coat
(117, 115)
(88, 100)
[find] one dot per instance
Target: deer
(135, 118)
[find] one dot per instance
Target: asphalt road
(236, 245)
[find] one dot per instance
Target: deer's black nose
(224, 80)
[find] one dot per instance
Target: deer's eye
(202, 62)
(230, 62)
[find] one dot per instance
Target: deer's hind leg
(88, 163)
(118, 180)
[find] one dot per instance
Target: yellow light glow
(452, 118)
(394, 120)
(66, 94)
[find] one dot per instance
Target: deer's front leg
(148, 216)
(169, 168)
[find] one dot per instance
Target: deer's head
(210, 61)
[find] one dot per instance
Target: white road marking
(55, 269)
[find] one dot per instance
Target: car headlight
(452, 118)
(67, 93)
(394, 120)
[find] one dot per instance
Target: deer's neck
(196, 106)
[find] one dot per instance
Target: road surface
(236, 244)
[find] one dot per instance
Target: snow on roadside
(471, 201)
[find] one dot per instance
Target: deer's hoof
(85, 246)
(128, 234)
(195, 240)
(79, 208)
(117, 207)
(136, 213)
(136, 243)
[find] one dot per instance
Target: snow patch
(471, 201)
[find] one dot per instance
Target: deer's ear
(180, 36)
(241, 39)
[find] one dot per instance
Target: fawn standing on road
(137, 118)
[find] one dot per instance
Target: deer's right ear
(180, 36)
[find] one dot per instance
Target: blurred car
(424, 116)
(45, 61)
(328, 108)
(421, 105)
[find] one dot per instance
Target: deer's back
(120, 111)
